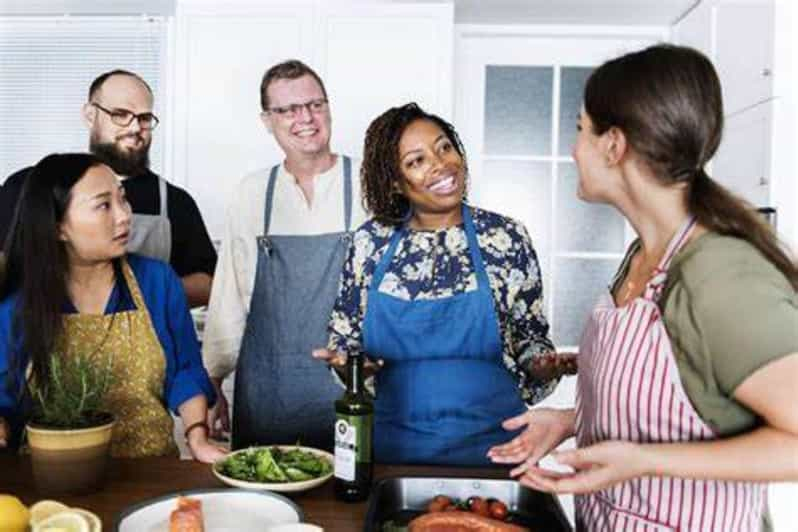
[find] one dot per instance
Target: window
(519, 139)
(46, 66)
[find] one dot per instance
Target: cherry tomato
(439, 503)
(498, 510)
(480, 507)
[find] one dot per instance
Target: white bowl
(283, 487)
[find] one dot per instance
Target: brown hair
(380, 172)
(291, 69)
(667, 101)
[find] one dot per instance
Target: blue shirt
(166, 302)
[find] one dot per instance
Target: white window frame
(478, 46)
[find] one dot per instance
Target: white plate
(284, 487)
(223, 509)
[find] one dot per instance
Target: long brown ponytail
(667, 101)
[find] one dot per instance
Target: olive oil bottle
(354, 425)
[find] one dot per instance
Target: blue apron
(444, 389)
(282, 394)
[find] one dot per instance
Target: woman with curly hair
(446, 297)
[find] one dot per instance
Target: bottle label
(352, 444)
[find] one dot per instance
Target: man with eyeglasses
(167, 224)
(286, 236)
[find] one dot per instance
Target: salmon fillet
(187, 517)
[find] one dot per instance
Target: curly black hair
(380, 172)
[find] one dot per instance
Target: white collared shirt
(234, 278)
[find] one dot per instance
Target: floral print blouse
(431, 264)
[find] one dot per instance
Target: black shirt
(192, 250)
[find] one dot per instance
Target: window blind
(46, 66)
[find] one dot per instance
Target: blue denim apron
(282, 394)
(444, 389)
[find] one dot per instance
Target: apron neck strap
(267, 214)
(473, 249)
(162, 196)
(656, 284)
(347, 193)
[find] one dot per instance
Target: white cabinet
(695, 30)
(381, 56)
(742, 162)
(739, 37)
(752, 44)
(744, 53)
(371, 56)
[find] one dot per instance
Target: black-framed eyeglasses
(124, 117)
(290, 111)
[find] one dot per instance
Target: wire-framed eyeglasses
(124, 117)
(291, 111)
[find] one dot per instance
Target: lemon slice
(95, 524)
(66, 521)
(44, 509)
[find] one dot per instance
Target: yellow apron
(143, 424)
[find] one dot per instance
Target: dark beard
(128, 164)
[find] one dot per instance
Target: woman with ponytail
(686, 397)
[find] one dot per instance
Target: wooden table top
(133, 480)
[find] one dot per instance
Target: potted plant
(69, 434)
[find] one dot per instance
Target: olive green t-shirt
(728, 312)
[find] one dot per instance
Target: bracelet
(193, 426)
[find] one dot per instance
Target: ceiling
(621, 12)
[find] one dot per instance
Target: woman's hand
(202, 450)
(596, 467)
(337, 360)
(546, 428)
(549, 366)
(219, 415)
(5, 432)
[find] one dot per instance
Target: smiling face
(125, 148)
(433, 172)
(307, 133)
(96, 224)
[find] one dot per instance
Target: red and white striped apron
(628, 388)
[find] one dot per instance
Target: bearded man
(167, 224)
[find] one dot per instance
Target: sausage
(460, 522)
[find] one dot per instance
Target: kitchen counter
(133, 480)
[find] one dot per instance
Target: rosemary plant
(73, 396)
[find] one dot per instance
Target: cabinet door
(221, 55)
(377, 56)
(742, 163)
(744, 52)
(370, 56)
(695, 30)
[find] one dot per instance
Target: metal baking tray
(400, 499)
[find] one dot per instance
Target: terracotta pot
(69, 462)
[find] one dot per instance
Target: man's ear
(266, 118)
(89, 114)
(616, 146)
